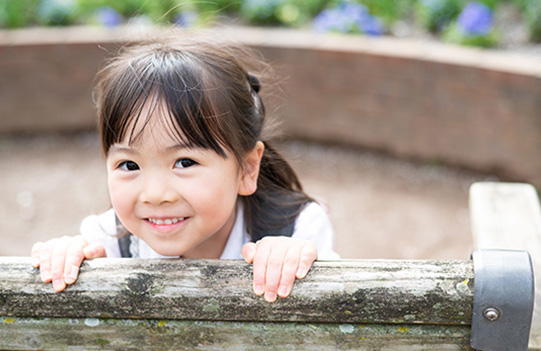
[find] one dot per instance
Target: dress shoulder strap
(273, 216)
(124, 241)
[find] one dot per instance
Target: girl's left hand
(277, 261)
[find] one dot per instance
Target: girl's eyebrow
(181, 146)
(117, 148)
(129, 150)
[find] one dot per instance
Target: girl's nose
(158, 189)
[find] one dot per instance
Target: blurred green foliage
(18, 13)
(389, 11)
(435, 16)
(532, 14)
(280, 12)
(57, 12)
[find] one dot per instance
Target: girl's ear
(250, 170)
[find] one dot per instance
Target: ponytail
(274, 207)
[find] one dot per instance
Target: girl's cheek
(121, 194)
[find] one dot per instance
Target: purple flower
(108, 16)
(348, 17)
(475, 19)
(332, 20)
(370, 25)
(186, 19)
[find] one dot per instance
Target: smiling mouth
(167, 221)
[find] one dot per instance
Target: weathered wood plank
(356, 291)
(129, 334)
(508, 216)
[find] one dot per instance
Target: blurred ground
(381, 207)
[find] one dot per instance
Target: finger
(58, 260)
(94, 251)
(45, 253)
(248, 252)
(307, 257)
(275, 263)
(35, 253)
(74, 258)
(289, 270)
(260, 268)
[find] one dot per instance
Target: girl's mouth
(167, 221)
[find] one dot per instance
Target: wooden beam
(357, 291)
(508, 216)
(209, 305)
(131, 334)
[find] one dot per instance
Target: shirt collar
(238, 237)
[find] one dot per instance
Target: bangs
(193, 105)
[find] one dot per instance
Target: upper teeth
(165, 221)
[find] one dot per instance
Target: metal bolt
(491, 313)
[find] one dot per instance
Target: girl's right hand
(59, 259)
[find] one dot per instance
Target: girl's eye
(185, 163)
(128, 166)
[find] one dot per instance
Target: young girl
(190, 173)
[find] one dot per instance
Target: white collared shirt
(312, 224)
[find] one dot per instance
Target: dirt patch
(381, 207)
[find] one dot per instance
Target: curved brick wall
(473, 108)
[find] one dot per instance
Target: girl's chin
(166, 251)
(165, 245)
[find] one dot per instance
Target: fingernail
(250, 254)
(45, 275)
(59, 285)
(283, 291)
(35, 262)
(301, 272)
(91, 253)
(72, 275)
(270, 296)
(259, 289)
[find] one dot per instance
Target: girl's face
(179, 200)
